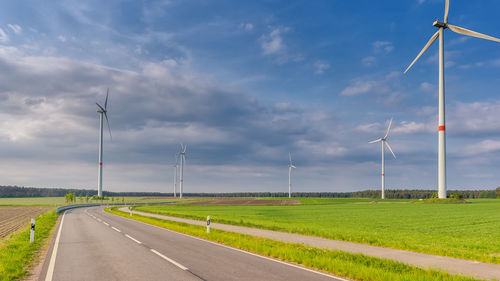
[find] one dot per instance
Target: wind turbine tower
(442, 25)
(102, 111)
(183, 161)
(384, 144)
(290, 167)
(176, 167)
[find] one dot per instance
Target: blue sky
(243, 83)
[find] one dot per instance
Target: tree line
(17, 191)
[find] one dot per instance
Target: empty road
(93, 245)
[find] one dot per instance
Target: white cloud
(412, 127)
(386, 46)
(364, 85)
(61, 38)
(272, 43)
(321, 67)
(426, 86)
(16, 28)
(358, 87)
(369, 61)
(485, 146)
(3, 37)
(246, 26)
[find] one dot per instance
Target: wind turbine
(384, 144)
(441, 123)
(182, 153)
(176, 167)
(290, 167)
(102, 111)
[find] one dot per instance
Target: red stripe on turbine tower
(100, 163)
(442, 128)
(383, 175)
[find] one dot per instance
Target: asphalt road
(93, 245)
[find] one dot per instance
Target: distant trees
(16, 191)
(70, 197)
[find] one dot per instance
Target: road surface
(93, 245)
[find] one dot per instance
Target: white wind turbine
(384, 144)
(102, 111)
(176, 167)
(441, 125)
(182, 153)
(290, 167)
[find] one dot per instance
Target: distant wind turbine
(182, 154)
(384, 144)
(441, 125)
(176, 167)
(102, 111)
(290, 167)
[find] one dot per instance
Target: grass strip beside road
(17, 253)
(466, 231)
(354, 266)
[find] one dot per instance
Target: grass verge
(354, 266)
(17, 253)
(466, 231)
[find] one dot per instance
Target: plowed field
(14, 218)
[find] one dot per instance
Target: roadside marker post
(208, 224)
(32, 232)
(130, 210)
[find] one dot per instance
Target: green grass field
(354, 266)
(470, 231)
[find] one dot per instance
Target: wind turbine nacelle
(439, 24)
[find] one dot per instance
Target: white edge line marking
(105, 223)
(169, 260)
(250, 253)
(52, 264)
(133, 239)
(116, 229)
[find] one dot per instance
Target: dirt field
(246, 202)
(14, 218)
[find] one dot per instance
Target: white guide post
(32, 231)
(442, 125)
(208, 224)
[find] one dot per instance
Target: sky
(242, 84)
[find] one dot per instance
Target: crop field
(59, 201)
(469, 231)
(14, 218)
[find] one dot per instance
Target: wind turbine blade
(446, 10)
(290, 157)
(293, 166)
(388, 128)
(464, 31)
(109, 128)
(185, 147)
(106, 102)
(374, 141)
(103, 110)
(388, 146)
(433, 38)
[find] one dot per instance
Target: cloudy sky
(243, 83)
